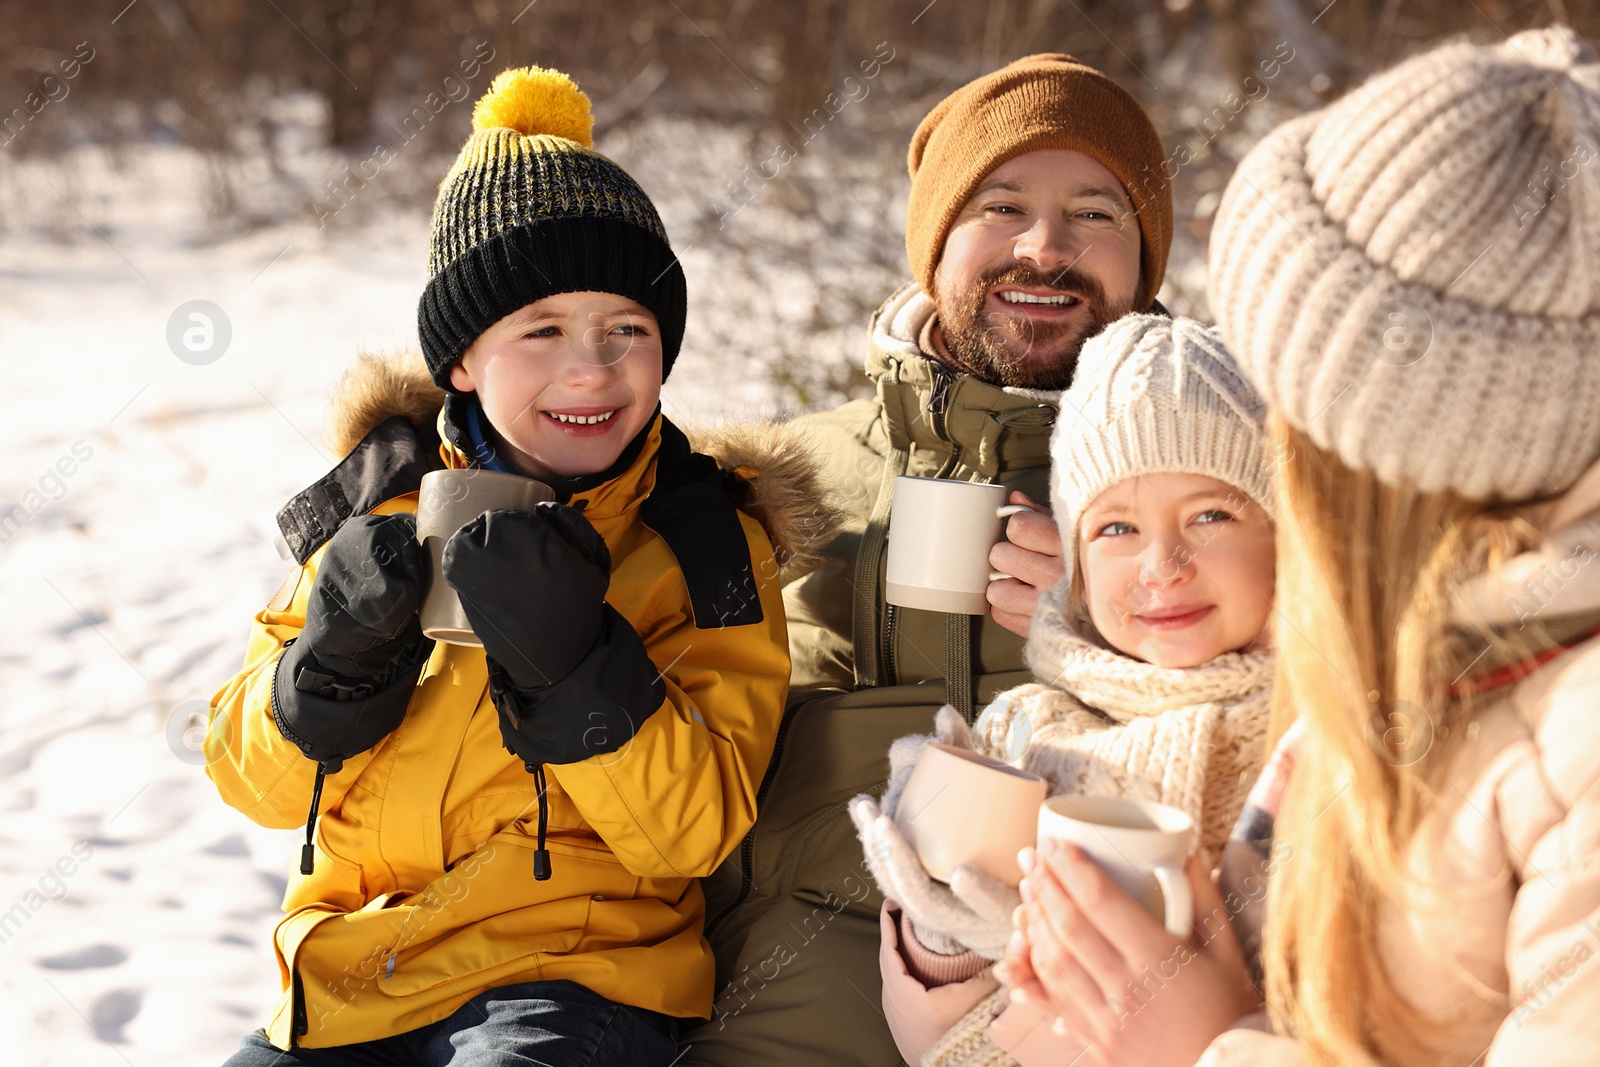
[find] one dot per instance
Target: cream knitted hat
(1154, 395)
(1411, 276)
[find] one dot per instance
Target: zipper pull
(944, 381)
(940, 397)
(541, 855)
(308, 851)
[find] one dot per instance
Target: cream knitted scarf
(1193, 738)
(1104, 722)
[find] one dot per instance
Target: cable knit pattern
(1409, 277)
(966, 1044)
(1155, 395)
(1193, 738)
(930, 965)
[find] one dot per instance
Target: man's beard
(1015, 350)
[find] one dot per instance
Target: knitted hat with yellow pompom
(531, 210)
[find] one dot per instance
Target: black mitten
(343, 685)
(568, 674)
(533, 585)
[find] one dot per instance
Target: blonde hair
(1367, 652)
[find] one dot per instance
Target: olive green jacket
(927, 422)
(793, 915)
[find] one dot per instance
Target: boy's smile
(579, 421)
(566, 382)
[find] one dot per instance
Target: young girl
(1154, 673)
(1427, 338)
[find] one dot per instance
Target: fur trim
(782, 488)
(778, 475)
(379, 386)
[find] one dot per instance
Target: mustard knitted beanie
(1047, 101)
(1154, 395)
(530, 210)
(1411, 275)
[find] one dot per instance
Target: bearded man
(1040, 211)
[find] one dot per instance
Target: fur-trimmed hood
(778, 478)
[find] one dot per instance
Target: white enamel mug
(1142, 845)
(940, 534)
(959, 807)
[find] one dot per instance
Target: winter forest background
(269, 165)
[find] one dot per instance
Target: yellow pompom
(533, 100)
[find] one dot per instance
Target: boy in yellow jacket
(503, 843)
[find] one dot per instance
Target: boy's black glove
(567, 673)
(343, 685)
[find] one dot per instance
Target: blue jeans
(534, 1024)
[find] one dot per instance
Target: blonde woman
(1411, 277)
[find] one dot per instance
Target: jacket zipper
(938, 404)
(301, 1024)
(891, 619)
(942, 381)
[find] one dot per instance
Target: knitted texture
(974, 909)
(1039, 102)
(1193, 737)
(966, 1044)
(530, 210)
(1409, 275)
(1151, 395)
(935, 964)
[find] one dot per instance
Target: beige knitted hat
(1154, 395)
(1412, 274)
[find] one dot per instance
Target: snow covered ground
(135, 908)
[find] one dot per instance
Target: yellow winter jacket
(423, 893)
